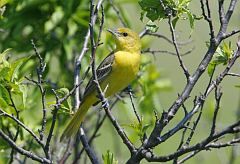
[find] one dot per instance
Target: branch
(118, 13)
(40, 71)
(18, 127)
(54, 119)
(92, 156)
(81, 55)
(207, 17)
(203, 145)
(186, 73)
(166, 52)
(3, 113)
(131, 98)
(23, 151)
(218, 95)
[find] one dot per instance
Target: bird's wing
(102, 71)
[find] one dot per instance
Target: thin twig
(118, 13)
(177, 49)
(218, 95)
(23, 151)
(207, 17)
(54, 119)
(166, 52)
(3, 113)
(134, 108)
(18, 127)
(40, 71)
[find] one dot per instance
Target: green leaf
(3, 103)
(108, 158)
(62, 92)
(4, 94)
(211, 68)
(191, 19)
(227, 49)
(3, 61)
(151, 26)
(223, 54)
(174, 22)
(139, 128)
(153, 10)
(14, 67)
(3, 2)
(56, 17)
(4, 74)
(23, 93)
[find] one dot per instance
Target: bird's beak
(113, 32)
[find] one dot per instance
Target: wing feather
(102, 71)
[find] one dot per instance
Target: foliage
(222, 56)
(108, 158)
(179, 9)
(10, 82)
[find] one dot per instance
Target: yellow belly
(124, 71)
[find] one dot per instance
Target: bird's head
(126, 40)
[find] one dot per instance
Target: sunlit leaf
(14, 67)
(3, 58)
(3, 103)
(222, 55)
(3, 2)
(211, 68)
(4, 94)
(151, 26)
(153, 10)
(108, 158)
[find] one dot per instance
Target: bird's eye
(125, 34)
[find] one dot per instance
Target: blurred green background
(59, 27)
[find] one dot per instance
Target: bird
(114, 73)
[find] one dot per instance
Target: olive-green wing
(102, 71)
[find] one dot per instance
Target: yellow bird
(115, 72)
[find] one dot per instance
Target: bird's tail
(76, 121)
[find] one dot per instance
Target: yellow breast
(124, 71)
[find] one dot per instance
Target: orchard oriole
(115, 72)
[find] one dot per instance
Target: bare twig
(18, 127)
(118, 13)
(166, 52)
(23, 151)
(92, 156)
(54, 119)
(40, 71)
(3, 113)
(81, 55)
(218, 95)
(207, 17)
(134, 108)
(233, 74)
(177, 49)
